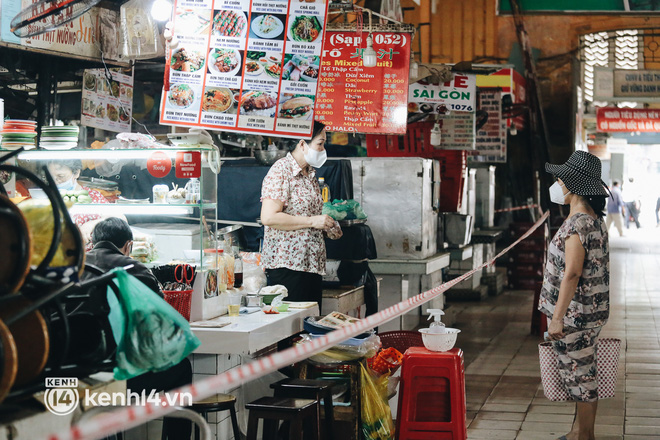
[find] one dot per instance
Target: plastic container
(214, 261)
(439, 341)
(160, 193)
(192, 191)
(228, 256)
(238, 268)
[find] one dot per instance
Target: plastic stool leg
(295, 432)
(253, 427)
(329, 414)
(270, 429)
(234, 423)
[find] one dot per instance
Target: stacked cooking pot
(51, 324)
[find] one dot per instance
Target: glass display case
(168, 196)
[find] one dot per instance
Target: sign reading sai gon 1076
(459, 94)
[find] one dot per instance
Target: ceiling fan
(46, 15)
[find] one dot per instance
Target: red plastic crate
(413, 144)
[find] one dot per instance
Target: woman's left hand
(556, 330)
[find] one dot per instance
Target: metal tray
(359, 221)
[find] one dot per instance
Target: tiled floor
(504, 396)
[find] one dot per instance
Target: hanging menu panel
(248, 66)
(358, 99)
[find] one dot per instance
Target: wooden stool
(310, 389)
(218, 402)
(274, 409)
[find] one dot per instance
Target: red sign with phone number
(356, 99)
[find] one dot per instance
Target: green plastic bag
(150, 334)
(344, 210)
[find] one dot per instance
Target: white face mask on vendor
(69, 185)
(314, 158)
(557, 194)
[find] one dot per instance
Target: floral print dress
(302, 250)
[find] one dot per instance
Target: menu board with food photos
(245, 65)
(107, 99)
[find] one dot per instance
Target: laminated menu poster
(250, 66)
(107, 103)
(491, 138)
(358, 99)
(457, 131)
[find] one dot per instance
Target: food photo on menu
(181, 96)
(192, 21)
(305, 28)
(293, 106)
(90, 81)
(263, 64)
(112, 112)
(219, 100)
(258, 103)
(187, 60)
(267, 26)
(225, 62)
(229, 23)
(301, 68)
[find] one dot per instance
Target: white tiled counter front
(235, 344)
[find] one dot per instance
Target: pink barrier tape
(517, 208)
(126, 418)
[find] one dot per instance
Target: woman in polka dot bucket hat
(575, 292)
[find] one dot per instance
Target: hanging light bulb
(369, 58)
(436, 135)
(161, 10)
(414, 67)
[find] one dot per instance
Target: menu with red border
(358, 99)
(249, 66)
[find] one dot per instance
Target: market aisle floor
(504, 397)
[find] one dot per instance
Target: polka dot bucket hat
(580, 174)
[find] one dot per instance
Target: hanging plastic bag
(150, 334)
(376, 414)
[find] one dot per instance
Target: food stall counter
(249, 333)
(424, 266)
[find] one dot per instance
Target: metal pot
(269, 157)
(234, 233)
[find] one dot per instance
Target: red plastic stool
(431, 396)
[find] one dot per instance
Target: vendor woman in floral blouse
(291, 211)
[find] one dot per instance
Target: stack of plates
(59, 137)
(18, 133)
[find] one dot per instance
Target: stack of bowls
(17, 133)
(59, 137)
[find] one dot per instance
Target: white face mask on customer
(557, 194)
(314, 158)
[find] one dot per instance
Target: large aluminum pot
(234, 233)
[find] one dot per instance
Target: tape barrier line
(517, 208)
(123, 419)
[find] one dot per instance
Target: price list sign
(491, 138)
(250, 66)
(358, 99)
